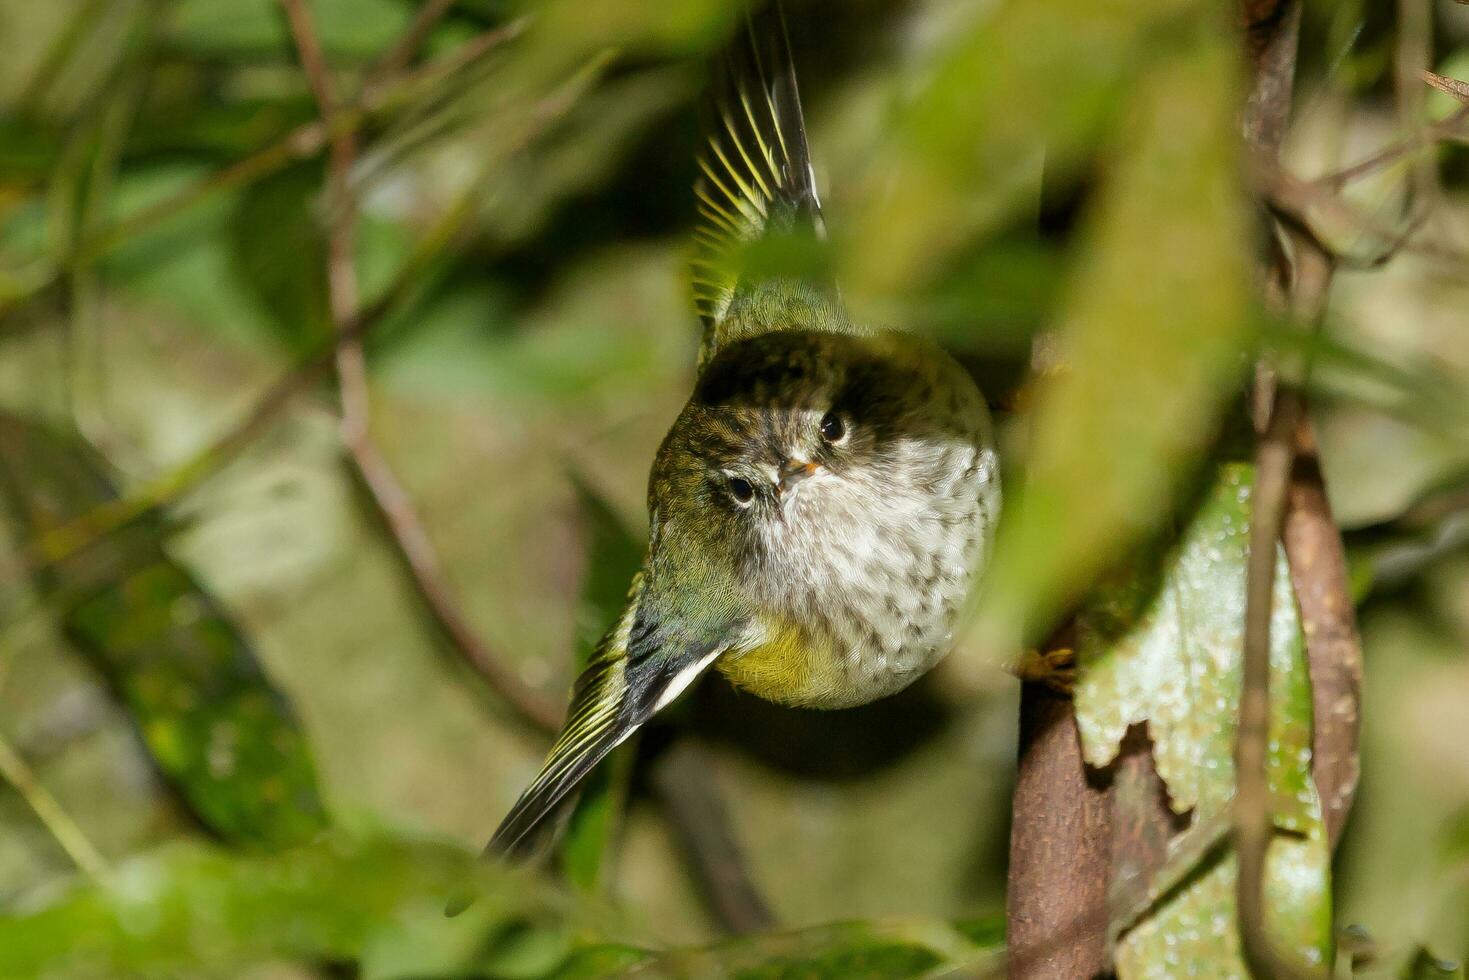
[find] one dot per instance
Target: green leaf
(278, 249)
(1151, 342)
(1195, 932)
(197, 911)
(1160, 643)
(358, 29)
(845, 951)
(209, 717)
(613, 557)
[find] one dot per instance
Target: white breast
(880, 566)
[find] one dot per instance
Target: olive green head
(809, 460)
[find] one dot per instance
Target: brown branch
(418, 556)
(1272, 29)
(1313, 543)
(1253, 821)
(696, 813)
(1056, 895)
(342, 296)
(1318, 570)
(313, 59)
(1395, 152)
(1284, 494)
(388, 496)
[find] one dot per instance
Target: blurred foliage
(215, 727)
(993, 171)
(1168, 235)
(379, 902)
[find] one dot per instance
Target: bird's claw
(1055, 668)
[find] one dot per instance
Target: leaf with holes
(1161, 644)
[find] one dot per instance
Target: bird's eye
(743, 492)
(833, 429)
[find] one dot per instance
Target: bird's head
(795, 442)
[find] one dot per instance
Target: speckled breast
(873, 605)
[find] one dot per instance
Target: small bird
(824, 501)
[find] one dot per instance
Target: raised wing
(755, 172)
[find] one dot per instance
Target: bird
(823, 504)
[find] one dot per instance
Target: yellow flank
(791, 667)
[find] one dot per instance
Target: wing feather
(639, 667)
(755, 172)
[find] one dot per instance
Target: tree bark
(1318, 570)
(1060, 843)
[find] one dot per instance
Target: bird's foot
(1055, 668)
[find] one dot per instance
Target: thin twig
(418, 555)
(1253, 818)
(1452, 87)
(1313, 544)
(1395, 152)
(402, 52)
(1305, 294)
(55, 818)
(301, 143)
(1253, 822)
(342, 293)
(1299, 201)
(82, 532)
(390, 499)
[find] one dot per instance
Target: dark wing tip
(597, 722)
(776, 68)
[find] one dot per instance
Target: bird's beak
(793, 472)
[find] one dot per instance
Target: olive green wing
(755, 174)
(642, 665)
